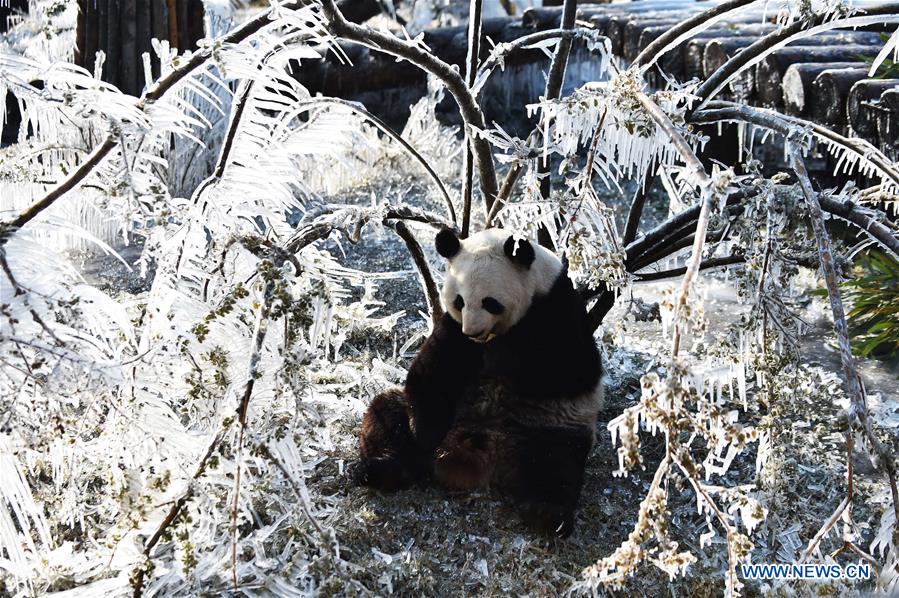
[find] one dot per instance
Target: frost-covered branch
(174, 512)
(554, 81)
(794, 127)
(710, 190)
(162, 86)
(858, 411)
(455, 84)
(715, 262)
(501, 52)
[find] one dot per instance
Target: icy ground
(426, 541)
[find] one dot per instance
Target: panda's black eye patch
(492, 305)
(459, 303)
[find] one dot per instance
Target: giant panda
(505, 391)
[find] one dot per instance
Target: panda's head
(492, 278)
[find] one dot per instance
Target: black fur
(551, 352)
(447, 243)
(461, 401)
(523, 254)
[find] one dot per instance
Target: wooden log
(862, 117)
(837, 47)
(196, 22)
(144, 29)
(373, 71)
(634, 29)
(694, 50)
(888, 121)
(359, 11)
(91, 36)
(716, 52)
(549, 17)
(711, 52)
(744, 24)
(129, 71)
(10, 9)
(798, 80)
(80, 30)
(113, 70)
(616, 24)
(829, 92)
(160, 30)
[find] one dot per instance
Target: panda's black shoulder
(551, 351)
(561, 313)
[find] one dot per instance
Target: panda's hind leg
(386, 444)
(465, 460)
(550, 470)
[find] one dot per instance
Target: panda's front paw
(549, 519)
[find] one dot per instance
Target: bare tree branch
(715, 262)
(471, 71)
(432, 294)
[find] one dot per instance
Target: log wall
(123, 30)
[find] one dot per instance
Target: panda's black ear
(523, 254)
(447, 243)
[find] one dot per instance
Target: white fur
(482, 269)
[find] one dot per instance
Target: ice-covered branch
(162, 86)
(420, 57)
(502, 51)
(858, 410)
(792, 127)
(554, 81)
(715, 262)
(709, 192)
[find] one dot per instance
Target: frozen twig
(259, 331)
(502, 51)
(554, 82)
(715, 262)
(137, 581)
